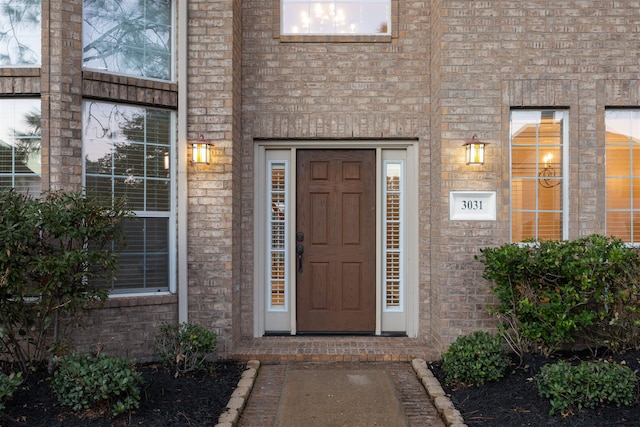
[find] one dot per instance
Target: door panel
(335, 283)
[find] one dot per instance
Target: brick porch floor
(333, 349)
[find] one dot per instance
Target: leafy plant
(475, 359)
(554, 293)
(184, 347)
(86, 382)
(8, 385)
(51, 249)
(587, 385)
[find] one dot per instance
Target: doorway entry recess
(335, 241)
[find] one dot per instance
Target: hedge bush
(184, 347)
(85, 382)
(51, 249)
(587, 385)
(553, 294)
(475, 359)
(8, 385)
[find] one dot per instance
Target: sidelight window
(393, 235)
(277, 228)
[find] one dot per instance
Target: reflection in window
(20, 143)
(537, 174)
(278, 210)
(20, 32)
(623, 174)
(336, 17)
(127, 152)
(131, 37)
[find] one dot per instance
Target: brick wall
(327, 89)
(213, 203)
(430, 178)
(237, 172)
(124, 326)
(452, 68)
(580, 55)
(62, 93)
(456, 68)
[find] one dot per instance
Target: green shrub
(184, 347)
(8, 385)
(475, 359)
(99, 383)
(51, 250)
(587, 385)
(555, 293)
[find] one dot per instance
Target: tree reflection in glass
(131, 37)
(20, 32)
(20, 144)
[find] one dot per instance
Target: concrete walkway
(343, 394)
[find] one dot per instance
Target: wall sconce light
(548, 173)
(474, 154)
(201, 151)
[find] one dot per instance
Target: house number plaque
(472, 206)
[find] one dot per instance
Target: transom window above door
(335, 17)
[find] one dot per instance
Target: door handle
(299, 251)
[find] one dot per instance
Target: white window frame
(564, 205)
(278, 151)
(170, 214)
(20, 107)
(271, 250)
(635, 213)
(386, 246)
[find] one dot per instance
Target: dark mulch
(192, 399)
(514, 402)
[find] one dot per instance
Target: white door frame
(285, 321)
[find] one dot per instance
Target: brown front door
(335, 284)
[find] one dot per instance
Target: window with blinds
(278, 208)
(538, 144)
(127, 152)
(393, 232)
(20, 145)
(622, 141)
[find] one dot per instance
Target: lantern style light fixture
(201, 151)
(474, 154)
